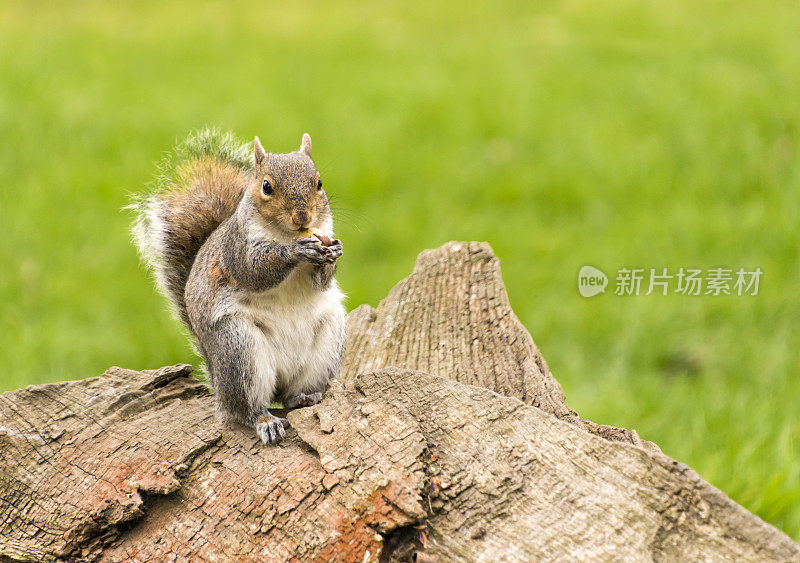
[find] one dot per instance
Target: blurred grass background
(617, 134)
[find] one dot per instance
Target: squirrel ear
(305, 145)
(258, 151)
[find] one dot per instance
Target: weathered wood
(134, 466)
(469, 453)
(451, 317)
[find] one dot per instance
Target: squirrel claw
(333, 252)
(310, 250)
(271, 429)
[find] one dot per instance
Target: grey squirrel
(238, 245)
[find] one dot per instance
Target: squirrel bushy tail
(199, 185)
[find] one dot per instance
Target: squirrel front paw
(310, 250)
(271, 429)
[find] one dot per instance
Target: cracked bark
(446, 436)
(451, 317)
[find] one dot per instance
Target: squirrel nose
(301, 218)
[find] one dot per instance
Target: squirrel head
(287, 188)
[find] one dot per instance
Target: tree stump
(445, 438)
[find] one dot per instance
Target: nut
(324, 240)
(304, 233)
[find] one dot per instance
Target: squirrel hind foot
(271, 429)
(303, 400)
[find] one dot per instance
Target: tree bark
(445, 438)
(451, 317)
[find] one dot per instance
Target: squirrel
(228, 237)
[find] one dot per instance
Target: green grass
(617, 134)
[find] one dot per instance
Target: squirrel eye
(319, 184)
(266, 187)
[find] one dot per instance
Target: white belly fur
(293, 351)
